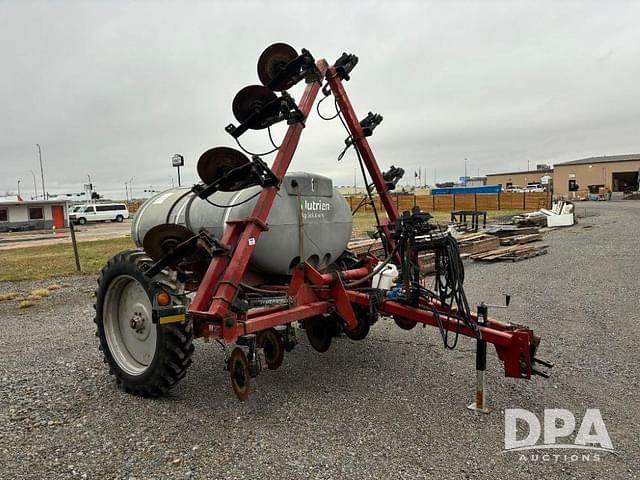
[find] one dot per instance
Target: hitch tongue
(544, 363)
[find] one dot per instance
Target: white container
(385, 279)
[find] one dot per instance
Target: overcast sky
(114, 89)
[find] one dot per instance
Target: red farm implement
(262, 248)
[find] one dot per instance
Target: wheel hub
(128, 328)
(138, 323)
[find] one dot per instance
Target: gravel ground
(393, 406)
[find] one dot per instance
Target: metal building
(578, 178)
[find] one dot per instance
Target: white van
(101, 212)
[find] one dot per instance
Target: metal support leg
(480, 405)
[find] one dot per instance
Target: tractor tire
(146, 358)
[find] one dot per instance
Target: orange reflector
(164, 299)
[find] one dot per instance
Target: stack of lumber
(510, 230)
(427, 263)
(362, 246)
(520, 239)
(533, 218)
(513, 253)
(471, 243)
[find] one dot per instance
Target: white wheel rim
(127, 318)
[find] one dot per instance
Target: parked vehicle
(101, 212)
(535, 187)
(513, 189)
(75, 209)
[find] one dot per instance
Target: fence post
(475, 201)
(499, 201)
(524, 200)
(433, 200)
(75, 246)
(454, 201)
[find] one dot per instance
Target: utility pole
(44, 192)
(355, 189)
(35, 185)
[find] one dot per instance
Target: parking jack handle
(480, 405)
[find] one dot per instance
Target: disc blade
(163, 238)
(319, 333)
(219, 161)
(239, 374)
(250, 100)
(272, 61)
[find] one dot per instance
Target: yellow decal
(173, 318)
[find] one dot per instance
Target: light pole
(126, 192)
(131, 188)
(44, 194)
(35, 185)
(465, 172)
(18, 188)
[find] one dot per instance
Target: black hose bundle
(415, 235)
(449, 286)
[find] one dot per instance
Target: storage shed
(20, 215)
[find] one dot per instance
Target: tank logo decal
(315, 209)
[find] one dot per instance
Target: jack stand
(480, 404)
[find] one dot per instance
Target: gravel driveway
(392, 406)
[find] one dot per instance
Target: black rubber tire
(174, 346)
(365, 320)
(405, 323)
(119, 219)
(82, 221)
(361, 331)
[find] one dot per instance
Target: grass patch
(9, 296)
(39, 293)
(35, 263)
